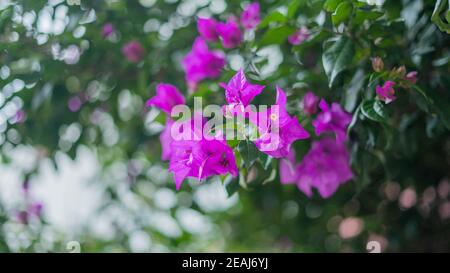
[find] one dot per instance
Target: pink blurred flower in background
(74, 103)
(133, 51)
(107, 30)
(299, 36)
(310, 102)
(229, 33)
(201, 63)
(324, 167)
(386, 92)
(332, 119)
(350, 227)
(250, 17)
(207, 29)
(167, 96)
(20, 116)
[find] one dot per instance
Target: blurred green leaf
(248, 151)
(342, 13)
(273, 17)
(231, 185)
(362, 15)
(293, 7)
(353, 89)
(337, 57)
(277, 35)
(331, 5)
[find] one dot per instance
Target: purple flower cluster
(386, 92)
(201, 63)
(200, 158)
(326, 165)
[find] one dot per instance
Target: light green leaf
(342, 13)
(293, 7)
(277, 35)
(331, 5)
(273, 17)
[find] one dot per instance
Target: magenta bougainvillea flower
(299, 36)
(207, 29)
(288, 168)
(107, 30)
(386, 92)
(201, 63)
(35, 208)
(201, 159)
(332, 119)
(324, 167)
(133, 51)
(229, 33)
(310, 102)
(167, 96)
(277, 129)
(412, 77)
(239, 91)
(166, 140)
(250, 17)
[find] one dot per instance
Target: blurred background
(80, 153)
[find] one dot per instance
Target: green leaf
(273, 17)
(248, 151)
(362, 15)
(374, 110)
(265, 160)
(353, 89)
(231, 185)
(422, 92)
(331, 5)
(342, 13)
(441, 106)
(374, 80)
(271, 177)
(277, 35)
(435, 17)
(354, 119)
(337, 57)
(293, 7)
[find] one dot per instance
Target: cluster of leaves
(406, 142)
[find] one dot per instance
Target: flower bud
(377, 64)
(399, 72)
